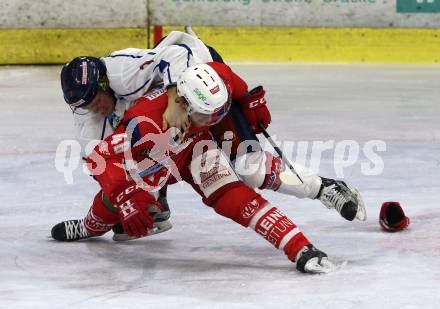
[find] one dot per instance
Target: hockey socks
(101, 216)
(246, 207)
(279, 230)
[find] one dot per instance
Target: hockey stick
(190, 31)
(278, 151)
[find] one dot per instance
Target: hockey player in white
(130, 73)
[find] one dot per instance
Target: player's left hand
(255, 109)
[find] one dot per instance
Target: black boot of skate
(70, 230)
(336, 194)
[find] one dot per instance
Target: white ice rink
(207, 261)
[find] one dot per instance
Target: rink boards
(241, 44)
(335, 31)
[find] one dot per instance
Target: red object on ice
(392, 218)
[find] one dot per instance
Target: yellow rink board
(250, 44)
(46, 46)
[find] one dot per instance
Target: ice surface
(206, 261)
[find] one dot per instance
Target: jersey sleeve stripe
(189, 52)
(140, 88)
(123, 55)
(162, 66)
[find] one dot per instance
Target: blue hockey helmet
(81, 80)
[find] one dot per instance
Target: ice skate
(70, 230)
(314, 261)
(348, 202)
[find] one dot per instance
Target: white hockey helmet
(206, 94)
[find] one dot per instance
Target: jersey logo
(200, 95)
(215, 89)
(154, 93)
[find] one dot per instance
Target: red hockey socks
(101, 216)
(246, 207)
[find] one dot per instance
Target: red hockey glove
(392, 218)
(133, 211)
(255, 109)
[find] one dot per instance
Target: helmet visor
(201, 119)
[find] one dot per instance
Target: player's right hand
(134, 215)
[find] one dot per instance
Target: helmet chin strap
(79, 111)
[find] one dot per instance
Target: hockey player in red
(100, 87)
(139, 157)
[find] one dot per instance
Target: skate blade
(160, 227)
(361, 213)
(316, 266)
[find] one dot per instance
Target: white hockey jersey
(132, 72)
